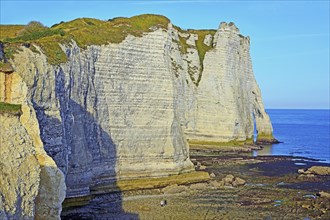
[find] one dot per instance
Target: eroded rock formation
(31, 185)
(227, 99)
(125, 110)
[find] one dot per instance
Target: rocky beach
(240, 187)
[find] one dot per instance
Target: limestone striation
(227, 100)
(124, 110)
(108, 113)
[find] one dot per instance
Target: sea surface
(304, 133)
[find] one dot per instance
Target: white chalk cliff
(227, 100)
(126, 110)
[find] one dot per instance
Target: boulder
(239, 182)
(301, 171)
(228, 180)
(315, 170)
(324, 194)
(319, 170)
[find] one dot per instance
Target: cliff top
(85, 32)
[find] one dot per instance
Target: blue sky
(289, 39)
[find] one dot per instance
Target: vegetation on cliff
(85, 31)
(201, 48)
(10, 108)
(89, 31)
(5, 67)
(10, 31)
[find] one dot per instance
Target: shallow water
(304, 133)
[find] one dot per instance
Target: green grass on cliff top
(200, 46)
(89, 31)
(10, 31)
(85, 31)
(9, 108)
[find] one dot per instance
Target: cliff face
(22, 165)
(227, 100)
(31, 185)
(108, 112)
(125, 110)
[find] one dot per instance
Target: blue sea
(304, 133)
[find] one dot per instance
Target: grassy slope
(89, 31)
(85, 31)
(9, 31)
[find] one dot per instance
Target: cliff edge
(31, 185)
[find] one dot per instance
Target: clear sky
(289, 39)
